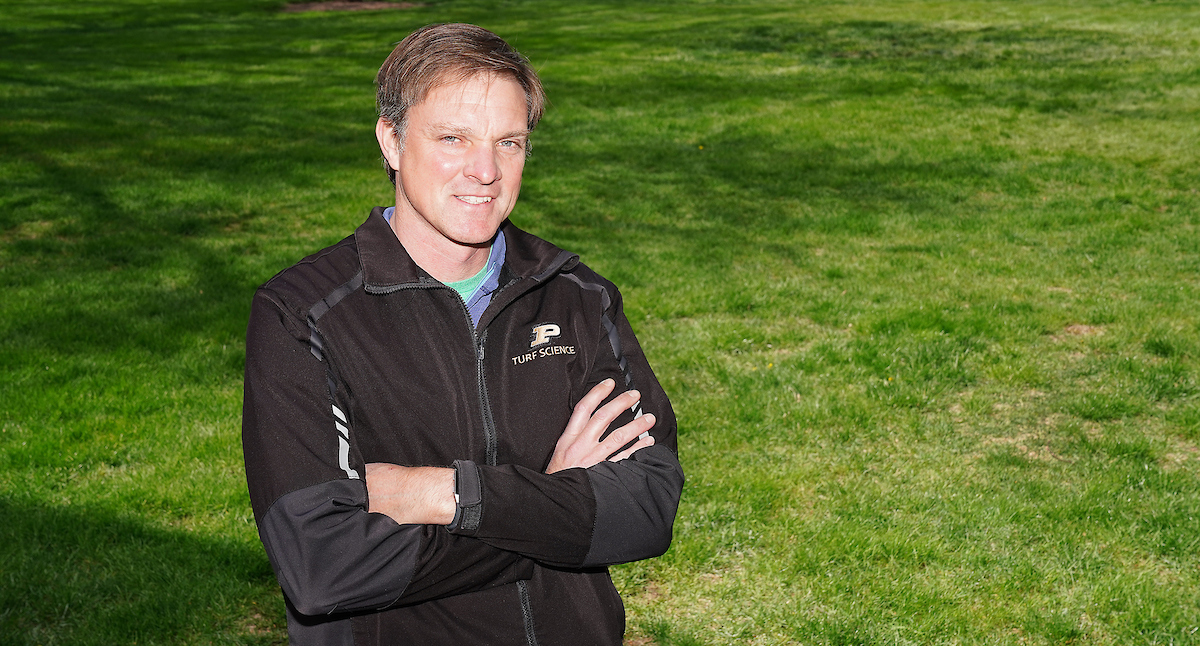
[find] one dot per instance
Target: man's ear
(388, 143)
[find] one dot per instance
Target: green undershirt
(467, 287)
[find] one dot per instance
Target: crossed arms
(425, 495)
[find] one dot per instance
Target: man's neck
(444, 260)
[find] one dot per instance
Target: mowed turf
(922, 279)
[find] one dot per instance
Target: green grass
(921, 278)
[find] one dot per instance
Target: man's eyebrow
(446, 127)
(456, 129)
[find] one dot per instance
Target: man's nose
(482, 165)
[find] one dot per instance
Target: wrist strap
(468, 497)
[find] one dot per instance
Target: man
(449, 427)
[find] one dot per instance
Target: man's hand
(416, 495)
(580, 445)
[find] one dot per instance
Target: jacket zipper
(490, 436)
(485, 401)
(490, 446)
(489, 426)
(527, 613)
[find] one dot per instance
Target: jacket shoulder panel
(310, 280)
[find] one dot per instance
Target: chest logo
(542, 334)
(540, 345)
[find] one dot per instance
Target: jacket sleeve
(306, 485)
(613, 512)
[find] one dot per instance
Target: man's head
(439, 55)
(457, 105)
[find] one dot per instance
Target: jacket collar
(387, 265)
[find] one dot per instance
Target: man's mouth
(474, 199)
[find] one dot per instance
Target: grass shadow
(98, 576)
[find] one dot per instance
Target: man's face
(459, 172)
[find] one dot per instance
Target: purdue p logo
(539, 342)
(543, 333)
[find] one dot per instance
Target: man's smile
(474, 199)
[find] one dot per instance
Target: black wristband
(468, 497)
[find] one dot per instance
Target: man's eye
(450, 139)
(509, 143)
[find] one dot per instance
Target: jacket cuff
(468, 497)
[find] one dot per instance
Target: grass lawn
(922, 278)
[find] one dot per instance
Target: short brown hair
(437, 55)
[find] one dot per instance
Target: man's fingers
(610, 411)
(580, 444)
(641, 444)
(583, 410)
(592, 399)
(627, 434)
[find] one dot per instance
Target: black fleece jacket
(356, 355)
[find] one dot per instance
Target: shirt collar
(387, 265)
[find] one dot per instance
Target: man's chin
(480, 236)
(476, 239)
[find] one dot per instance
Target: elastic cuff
(468, 497)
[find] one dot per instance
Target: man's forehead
(459, 104)
(461, 80)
